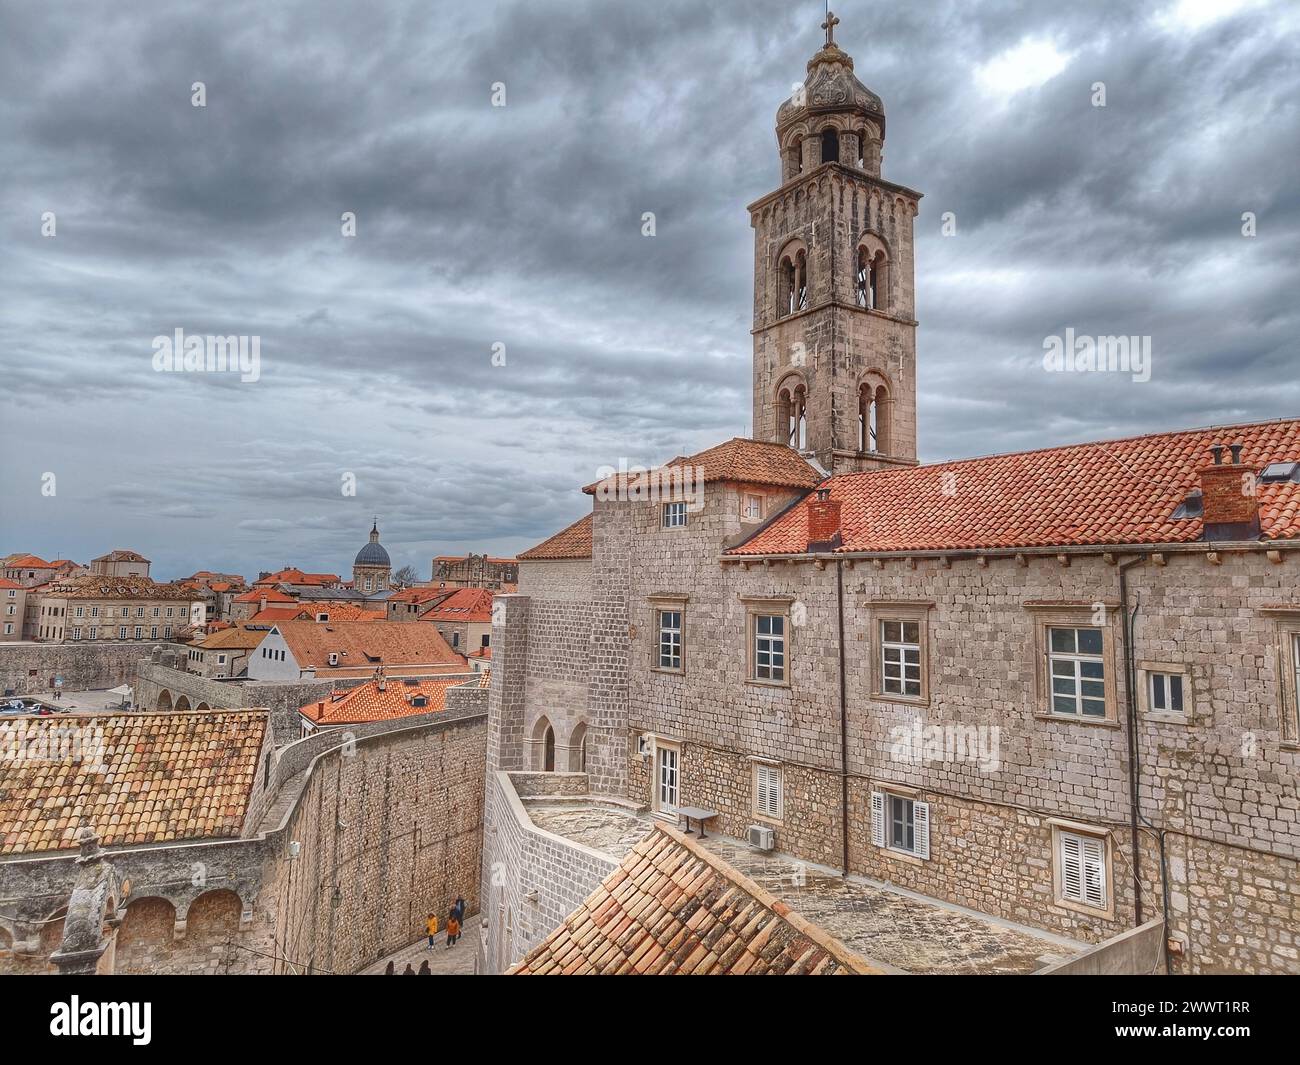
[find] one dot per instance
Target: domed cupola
(831, 117)
(372, 568)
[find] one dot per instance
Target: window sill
(903, 856)
(902, 700)
(1105, 914)
(762, 819)
(1070, 719)
(756, 683)
(668, 672)
(1159, 717)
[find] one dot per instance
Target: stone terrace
(901, 929)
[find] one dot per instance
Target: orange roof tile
(1113, 492)
(6, 583)
(30, 562)
(271, 595)
(366, 644)
(297, 576)
(571, 543)
(397, 698)
(139, 778)
(464, 604)
(671, 908)
(737, 460)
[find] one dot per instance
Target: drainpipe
(1130, 681)
(844, 723)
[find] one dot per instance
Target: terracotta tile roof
(673, 909)
(30, 562)
(366, 644)
(482, 652)
(271, 595)
(418, 595)
(464, 604)
(1111, 492)
(338, 612)
(297, 576)
(142, 778)
(273, 614)
(98, 586)
(740, 461)
(6, 583)
(571, 543)
(398, 698)
(465, 558)
(233, 637)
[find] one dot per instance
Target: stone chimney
(1230, 505)
(823, 522)
(261, 604)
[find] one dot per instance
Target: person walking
(460, 909)
(431, 928)
(453, 928)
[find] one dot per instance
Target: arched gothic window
(872, 279)
(793, 274)
(830, 146)
(792, 414)
(873, 419)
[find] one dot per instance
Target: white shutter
(1094, 871)
(769, 791)
(921, 829)
(1071, 867)
(877, 819)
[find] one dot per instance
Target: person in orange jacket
(453, 928)
(431, 927)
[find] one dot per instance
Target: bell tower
(834, 312)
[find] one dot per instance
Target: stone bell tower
(834, 313)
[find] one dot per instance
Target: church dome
(374, 553)
(831, 86)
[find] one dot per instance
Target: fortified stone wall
(27, 667)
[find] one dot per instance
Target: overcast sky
(521, 225)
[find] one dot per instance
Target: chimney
(262, 604)
(823, 522)
(1231, 507)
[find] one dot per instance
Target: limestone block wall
(28, 667)
(532, 879)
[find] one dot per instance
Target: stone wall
(532, 879)
(28, 667)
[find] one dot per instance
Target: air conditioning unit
(762, 838)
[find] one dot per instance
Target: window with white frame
(752, 508)
(155, 611)
(81, 611)
(94, 632)
(76, 634)
(1082, 869)
(675, 515)
(139, 611)
(670, 639)
(900, 657)
(900, 823)
(121, 632)
(153, 632)
(769, 797)
(1165, 693)
(1077, 670)
(9, 630)
(139, 632)
(769, 647)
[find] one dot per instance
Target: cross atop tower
(829, 26)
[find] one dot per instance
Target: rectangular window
(94, 611)
(81, 611)
(167, 632)
(139, 632)
(76, 634)
(153, 632)
(674, 515)
(169, 611)
(94, 632)
(769, 647)
(1077, 671)
(900, 823)
(670, 639)
(139, 611)
(1166, 693)
(155, 611)
(9, 629)
(121, 632)
(769, 800)
(752, 510)
(1082, 863)
(900, 657)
